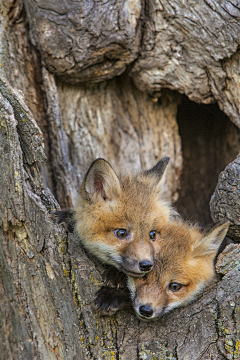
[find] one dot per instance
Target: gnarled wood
(191, 47)
(86, 40)
(226, 198)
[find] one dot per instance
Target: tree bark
(86, 41)
(183, 46)
(226, 198)
(61, 120)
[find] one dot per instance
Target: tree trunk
(81, 80)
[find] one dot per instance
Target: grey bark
(192, 47)
(185, 45)
(47, 282)
(92, 40)
(225, 202)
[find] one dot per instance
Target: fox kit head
(119, 218)
(183, 266)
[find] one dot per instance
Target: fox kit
(184, 264)
(118, 218)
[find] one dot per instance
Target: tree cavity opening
(210, 141)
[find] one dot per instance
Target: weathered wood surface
(225, 202)
(31, 321)
(86, 40)
(188, 46)
(191, 46)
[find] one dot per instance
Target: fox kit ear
(100, 179)
(212, 240)
(158, 171)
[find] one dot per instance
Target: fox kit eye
(152, 235)
(121, 233)
(175, 286)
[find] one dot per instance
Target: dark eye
(175, 286)
(152, 235)
(121, 233)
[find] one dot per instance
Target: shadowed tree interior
(210, 141)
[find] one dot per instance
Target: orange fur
(185, 256)
(136, 203)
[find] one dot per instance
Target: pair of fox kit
(127, 222)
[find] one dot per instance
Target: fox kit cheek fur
(118, 219)
(184, 264)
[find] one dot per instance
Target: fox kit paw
(110, 300)
(114, 278)
(65, 217)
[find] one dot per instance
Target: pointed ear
(158, 172)
(212, 240)
(101, 180)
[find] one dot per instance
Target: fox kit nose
(145, 310)
(145, 265)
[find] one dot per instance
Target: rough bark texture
(86, 40)
(185, 45)
(190, 46)
(225, 202)
(47, 282)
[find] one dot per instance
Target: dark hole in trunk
(210, 141)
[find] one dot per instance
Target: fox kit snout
(118, 218)
(183, 266)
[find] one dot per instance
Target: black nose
(145, 265)
(145, 310)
